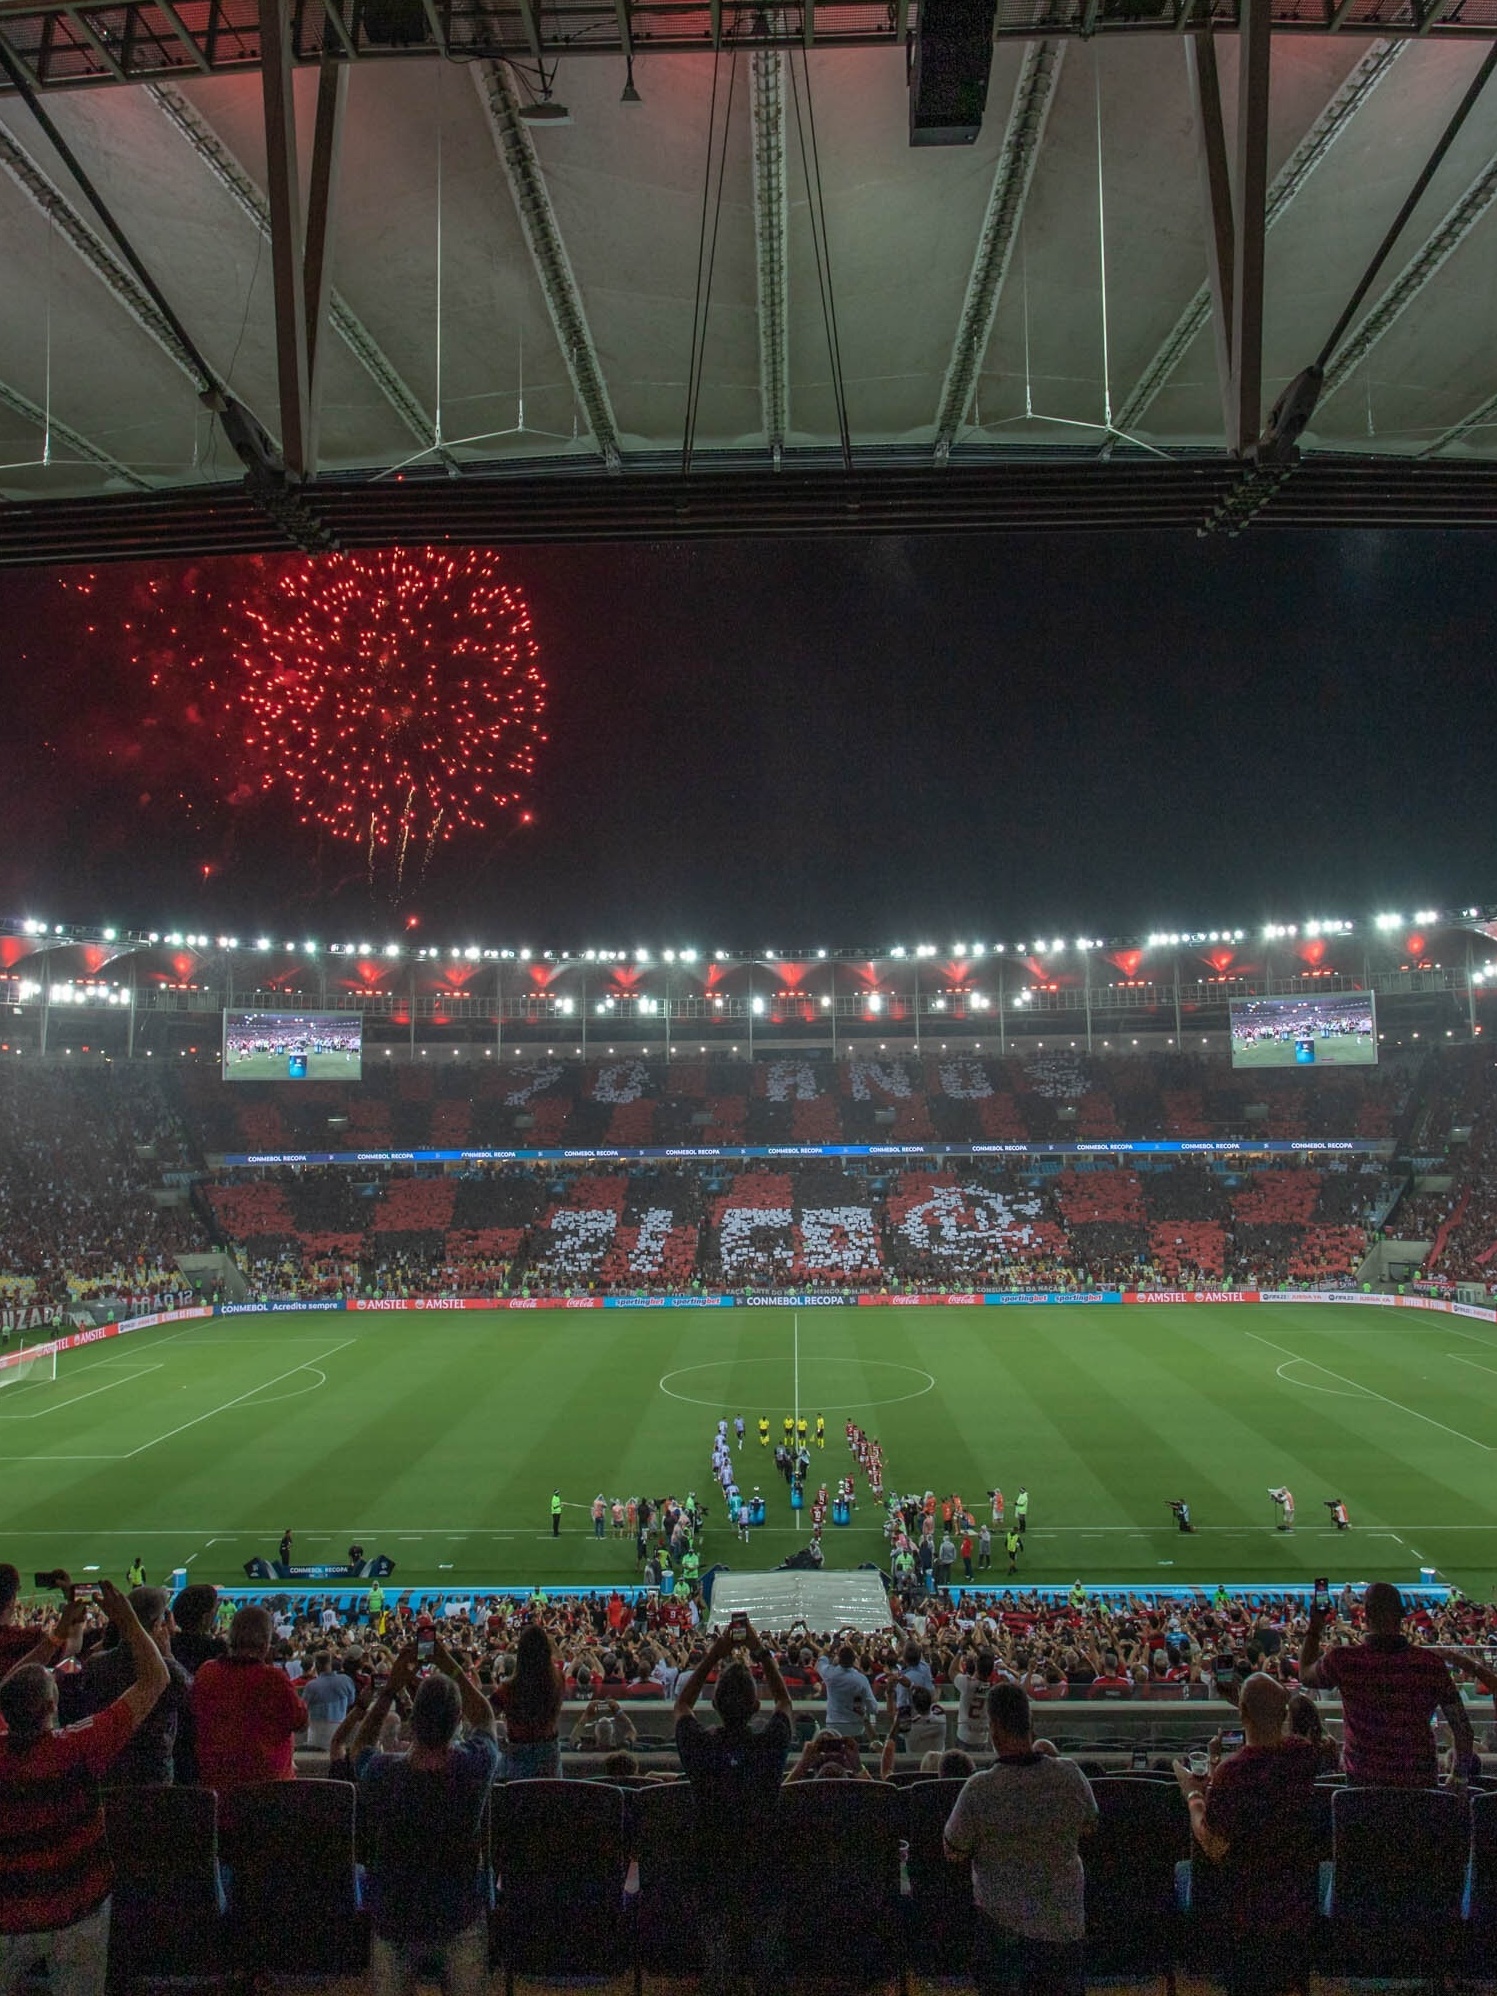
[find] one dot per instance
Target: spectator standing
(972, 1687)
(148, 1760)
(246, 1714)
(1390, 1690)
(1018, 1825)
(735, 1775)
(194, 1638)
(430, 1890)
(531, 1706)
(850, 1703)
(1255, 1818)
(55, 1873)
(327, 1695)
(15, 1640)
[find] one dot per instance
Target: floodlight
(109, 935)
(546, 112)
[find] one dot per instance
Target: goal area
(27, 1365)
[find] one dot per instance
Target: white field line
(1369, 1391)
(56, 1406)
(248, 1394)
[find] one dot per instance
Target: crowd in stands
(92, 1160)
(421, 1718)
(81, 1157)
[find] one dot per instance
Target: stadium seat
(1481, 1889)
(941, 1914)
(840, 1841)
(291, 1846)
(562, 1854)
(167, 1917)
(662, 1830)
(1397, 1881)
(1131, 1918)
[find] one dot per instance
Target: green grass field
(275, 1067)
(438, 1438)
(1331, 1050)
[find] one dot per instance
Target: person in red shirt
(1390, 1690)
(16, 1640)
(1255, 1820)
(246, 1713)
(55, 1874)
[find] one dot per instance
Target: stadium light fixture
(109, 935)
(1426, 915)
(759, 1006)
(875, 1003)
(392, 949)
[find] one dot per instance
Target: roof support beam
(553, 268)
(1034, 93)
(771, 246)
(1312, 149)
(287, 239)
(122, 286)
(1482, 417)
(1437, 248)
(78, 445)
(322, 207)
(1250, 223)
(1216, 202)
(345, 322)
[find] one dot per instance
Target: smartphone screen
(88, 1590)
(738, 1626)
(1233, 1740)
(425, 1649)
(1140, 1762)
(1320, 1598)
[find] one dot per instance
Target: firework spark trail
(398, 691)
(396, 697)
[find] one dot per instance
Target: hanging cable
(702, 295)
(1102, 246)
(1291, 414)
(722, 175)
(816, 206)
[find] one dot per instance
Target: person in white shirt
(972, 1687)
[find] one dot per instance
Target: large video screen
(293, 1046)
(1336, 1029)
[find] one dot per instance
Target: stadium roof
(527, 327)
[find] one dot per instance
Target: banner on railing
(732, 1153)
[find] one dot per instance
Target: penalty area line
(248, 1394)
(1371, 1392)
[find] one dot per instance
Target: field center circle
(811, 1368)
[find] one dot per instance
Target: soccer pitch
(277, 1067)
(438, 1438)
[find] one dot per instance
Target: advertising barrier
(991, 1299)
(731, 1153)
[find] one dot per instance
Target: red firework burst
(398, 696)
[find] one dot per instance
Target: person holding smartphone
(55, 1872)
(1253, 1816)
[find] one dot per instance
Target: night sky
(765, 744)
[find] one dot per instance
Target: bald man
(1390, 1690)
(1255, 1818)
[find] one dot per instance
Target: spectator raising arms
(735, 1775)
(429, 1888)
(1255, 1817)
(148, 1761)
(54, 1860)
(246, 1714)
(1390, 1690)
